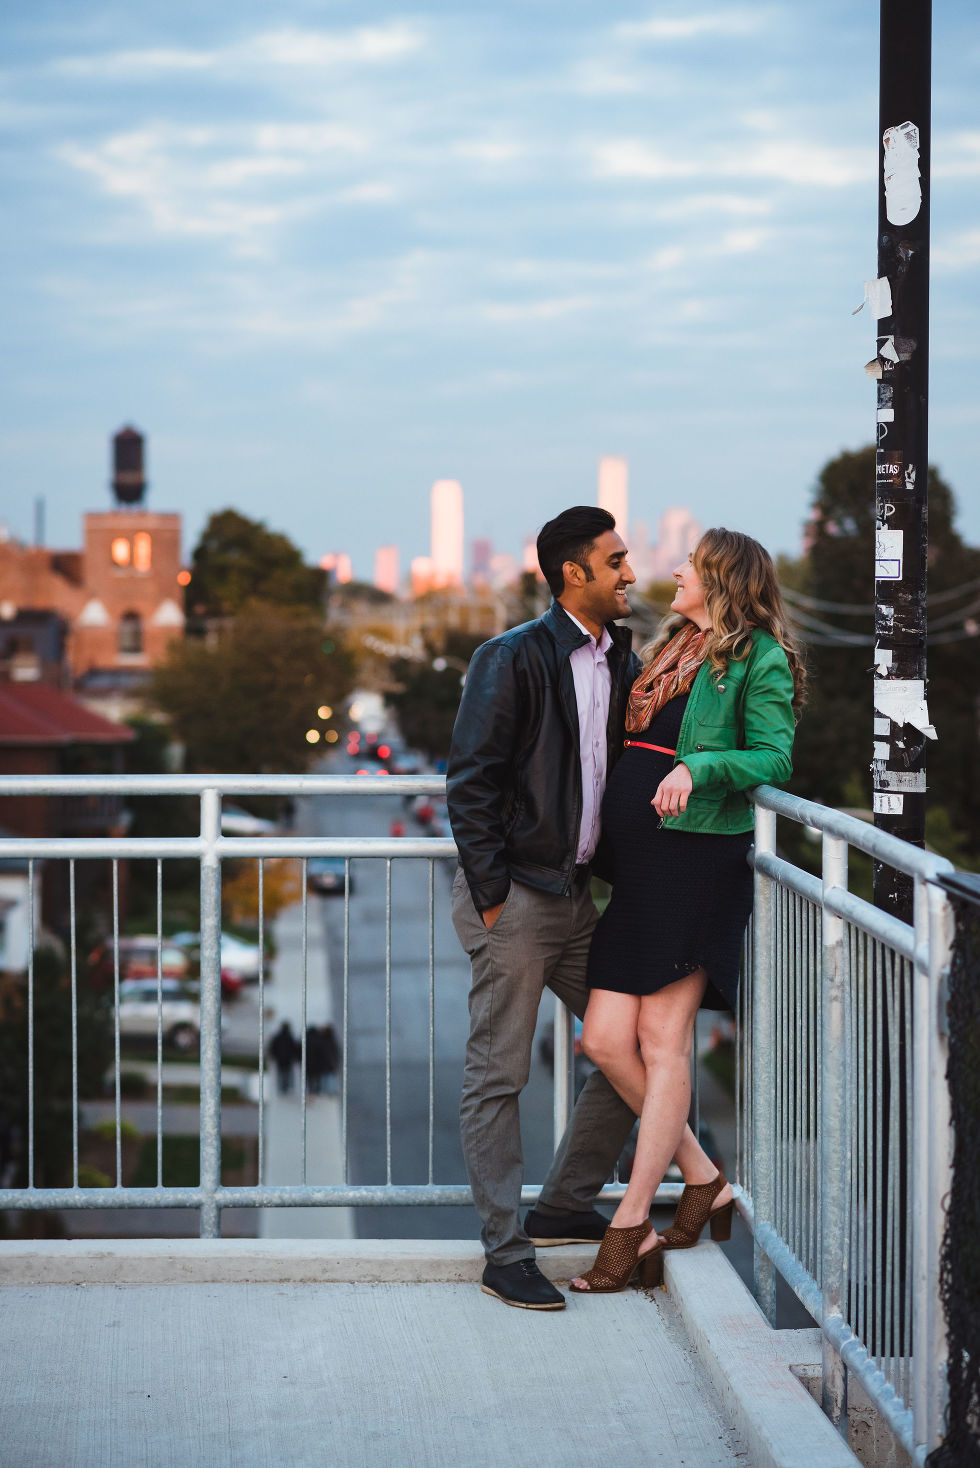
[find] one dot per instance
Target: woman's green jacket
(737, 732)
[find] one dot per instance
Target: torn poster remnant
(903, 700)
(888, 556)
(903, 188)
(887, 350)
(887, 804)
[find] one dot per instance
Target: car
(137, 959)
(179, 1011)
(238, 822)
(239, 960)
(329, 874)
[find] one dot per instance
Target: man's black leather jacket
(514, 780)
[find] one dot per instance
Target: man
(539, 727)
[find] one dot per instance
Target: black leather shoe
(522, 1284)
(565, 1228)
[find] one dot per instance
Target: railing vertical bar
(866, 1146)
(432, 1019)
(117, 1055)
(855, 989)
(30, 1023)
(305, 909)
(908, 1083)
(763, 1078)
(261, 1055)
(931, 1154)
(345, 1026)
(894, 1163)
(74, 1020)
(879, 1157)
(833, 1113)
(210, 1044)
(388, 1020)
(159, 1035)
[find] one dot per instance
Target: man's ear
(573, 574)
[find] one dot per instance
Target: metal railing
(844, 1128)
(843, 1124)
(209, 848)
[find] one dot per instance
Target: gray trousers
(539, 941)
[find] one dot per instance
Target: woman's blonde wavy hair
(740, 593)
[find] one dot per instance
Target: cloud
(957, 252)
(286, 49)
(550, 308)
(956, 155)
(714, 204)
(691, 27)
(801, 161)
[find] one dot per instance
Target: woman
(710, 716)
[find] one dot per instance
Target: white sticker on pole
(903, 700)
(883, 726)
(879, 296)
(888, 804)
(903, 189)
(881, 750)
(888, 555)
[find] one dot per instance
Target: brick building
(119, 596)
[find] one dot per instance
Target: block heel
(721, 1223)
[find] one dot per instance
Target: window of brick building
(130, 632)
(121, 551)
(142, 548)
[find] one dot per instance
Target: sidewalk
(379, 1353)
(283, 1114)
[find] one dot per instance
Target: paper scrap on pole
(903, 189)
(903, 700)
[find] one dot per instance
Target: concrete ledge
(750, 1365)
(260, 1261)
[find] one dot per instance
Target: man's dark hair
(571, 536)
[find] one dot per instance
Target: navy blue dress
(680, 899)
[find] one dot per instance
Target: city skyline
(326, 257)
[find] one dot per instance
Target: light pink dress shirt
(593, 682)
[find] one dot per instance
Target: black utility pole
(900, 299)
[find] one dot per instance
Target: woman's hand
(672, 792)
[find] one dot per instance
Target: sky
(324, 254)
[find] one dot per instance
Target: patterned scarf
(672, 672)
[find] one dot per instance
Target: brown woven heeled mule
(693, 1212)
(619, 1259)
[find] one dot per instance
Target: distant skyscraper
(447, 532)
(678, 533)
(421, 575)
(481, 554)
(337, 565)
(614, 493)
(386, 568)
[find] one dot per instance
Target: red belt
(638, 744)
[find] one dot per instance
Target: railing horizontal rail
(107, 847)
(224, 784)
(879, 844)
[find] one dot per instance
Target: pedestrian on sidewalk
(330, 1045)
(711, 715)
(284, 1049)
(539, 727)
(316, 1067)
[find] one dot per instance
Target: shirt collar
(605, 641)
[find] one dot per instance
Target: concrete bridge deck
(381, 1355)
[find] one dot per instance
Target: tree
(833, 752)
(238, 560)
(429, 692)
(52, 1067)
(244, 704)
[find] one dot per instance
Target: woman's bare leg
(610, 1029)
(664, 1029)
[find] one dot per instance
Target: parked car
(328, 874)
(180, 1011)
(238, 822)
(239, 960)
(137, 959)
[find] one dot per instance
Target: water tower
(128, 481)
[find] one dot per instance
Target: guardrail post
(834, 1113)
(210, 1053)
(564, 1069)
(932, 1143)
(762, 1152)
